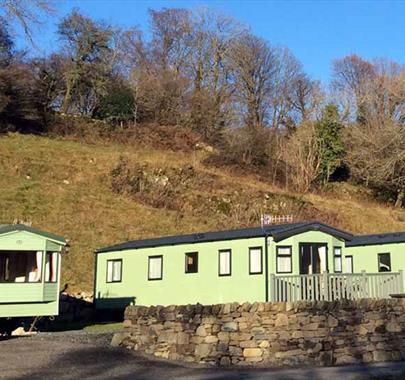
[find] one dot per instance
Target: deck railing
(334, 286)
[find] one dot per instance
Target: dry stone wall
(272, 334)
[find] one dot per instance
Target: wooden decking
(335, 286)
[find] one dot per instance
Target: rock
(281, 320)
(253, 359)
(222, 347)
(182, 338)
(362, 330)
(243, 326)
(118, 338)
(326, 359)
(382, 356)
(19, 331)
(248, 344)
(289, 353)
(127, 323)
(211, 339)
(225, 361)
(346, 359)
(252, 352)
(264, 344)
(393, 327)
(367, 357)
(203, 350)
(226, 308)
(332, 321)
(235, 351)
(230, 326)
(297, 334)
(223, 336)
(201, 331)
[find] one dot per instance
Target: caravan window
(155, 267)
(284, 259)
(20, 266)
(114, 270)
(224, 262)
(384, 262)
(255, 260)
(191, 262)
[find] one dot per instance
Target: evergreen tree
(331, 147)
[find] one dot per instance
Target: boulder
(118, 338)
(252, 352)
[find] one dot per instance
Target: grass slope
(64, 187)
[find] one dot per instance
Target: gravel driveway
(79, 355)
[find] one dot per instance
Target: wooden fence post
(325, 290)
(272, 287)
(364, 293)
(401, 281)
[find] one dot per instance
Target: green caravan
(288, 262)
(30, 263)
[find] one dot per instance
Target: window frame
(230, 262)
(57, 268)
(378, 262)
(261, 260)
(161, 267)
(284, 255)
(112, 274)
(341, 259)
(185, 262)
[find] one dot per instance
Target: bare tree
(88, 44)
(301, 155)
(26, 12)
(376, 156)
(171, 30)
(208, 69)
(352, 80)
(254, 66)
(305, 97)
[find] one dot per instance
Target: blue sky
(316, 31)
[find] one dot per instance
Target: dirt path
(78, 355)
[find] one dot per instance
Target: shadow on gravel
(116, 363)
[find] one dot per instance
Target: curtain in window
(322, 258)
(155, 268)
(54, 266)
(255, 260)
(109, 271)
(225, 262)
(37, 276)
(116, 276)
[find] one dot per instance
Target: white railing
(334, 286)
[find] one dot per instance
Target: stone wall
(273, 334)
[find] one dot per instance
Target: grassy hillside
(65, 187)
